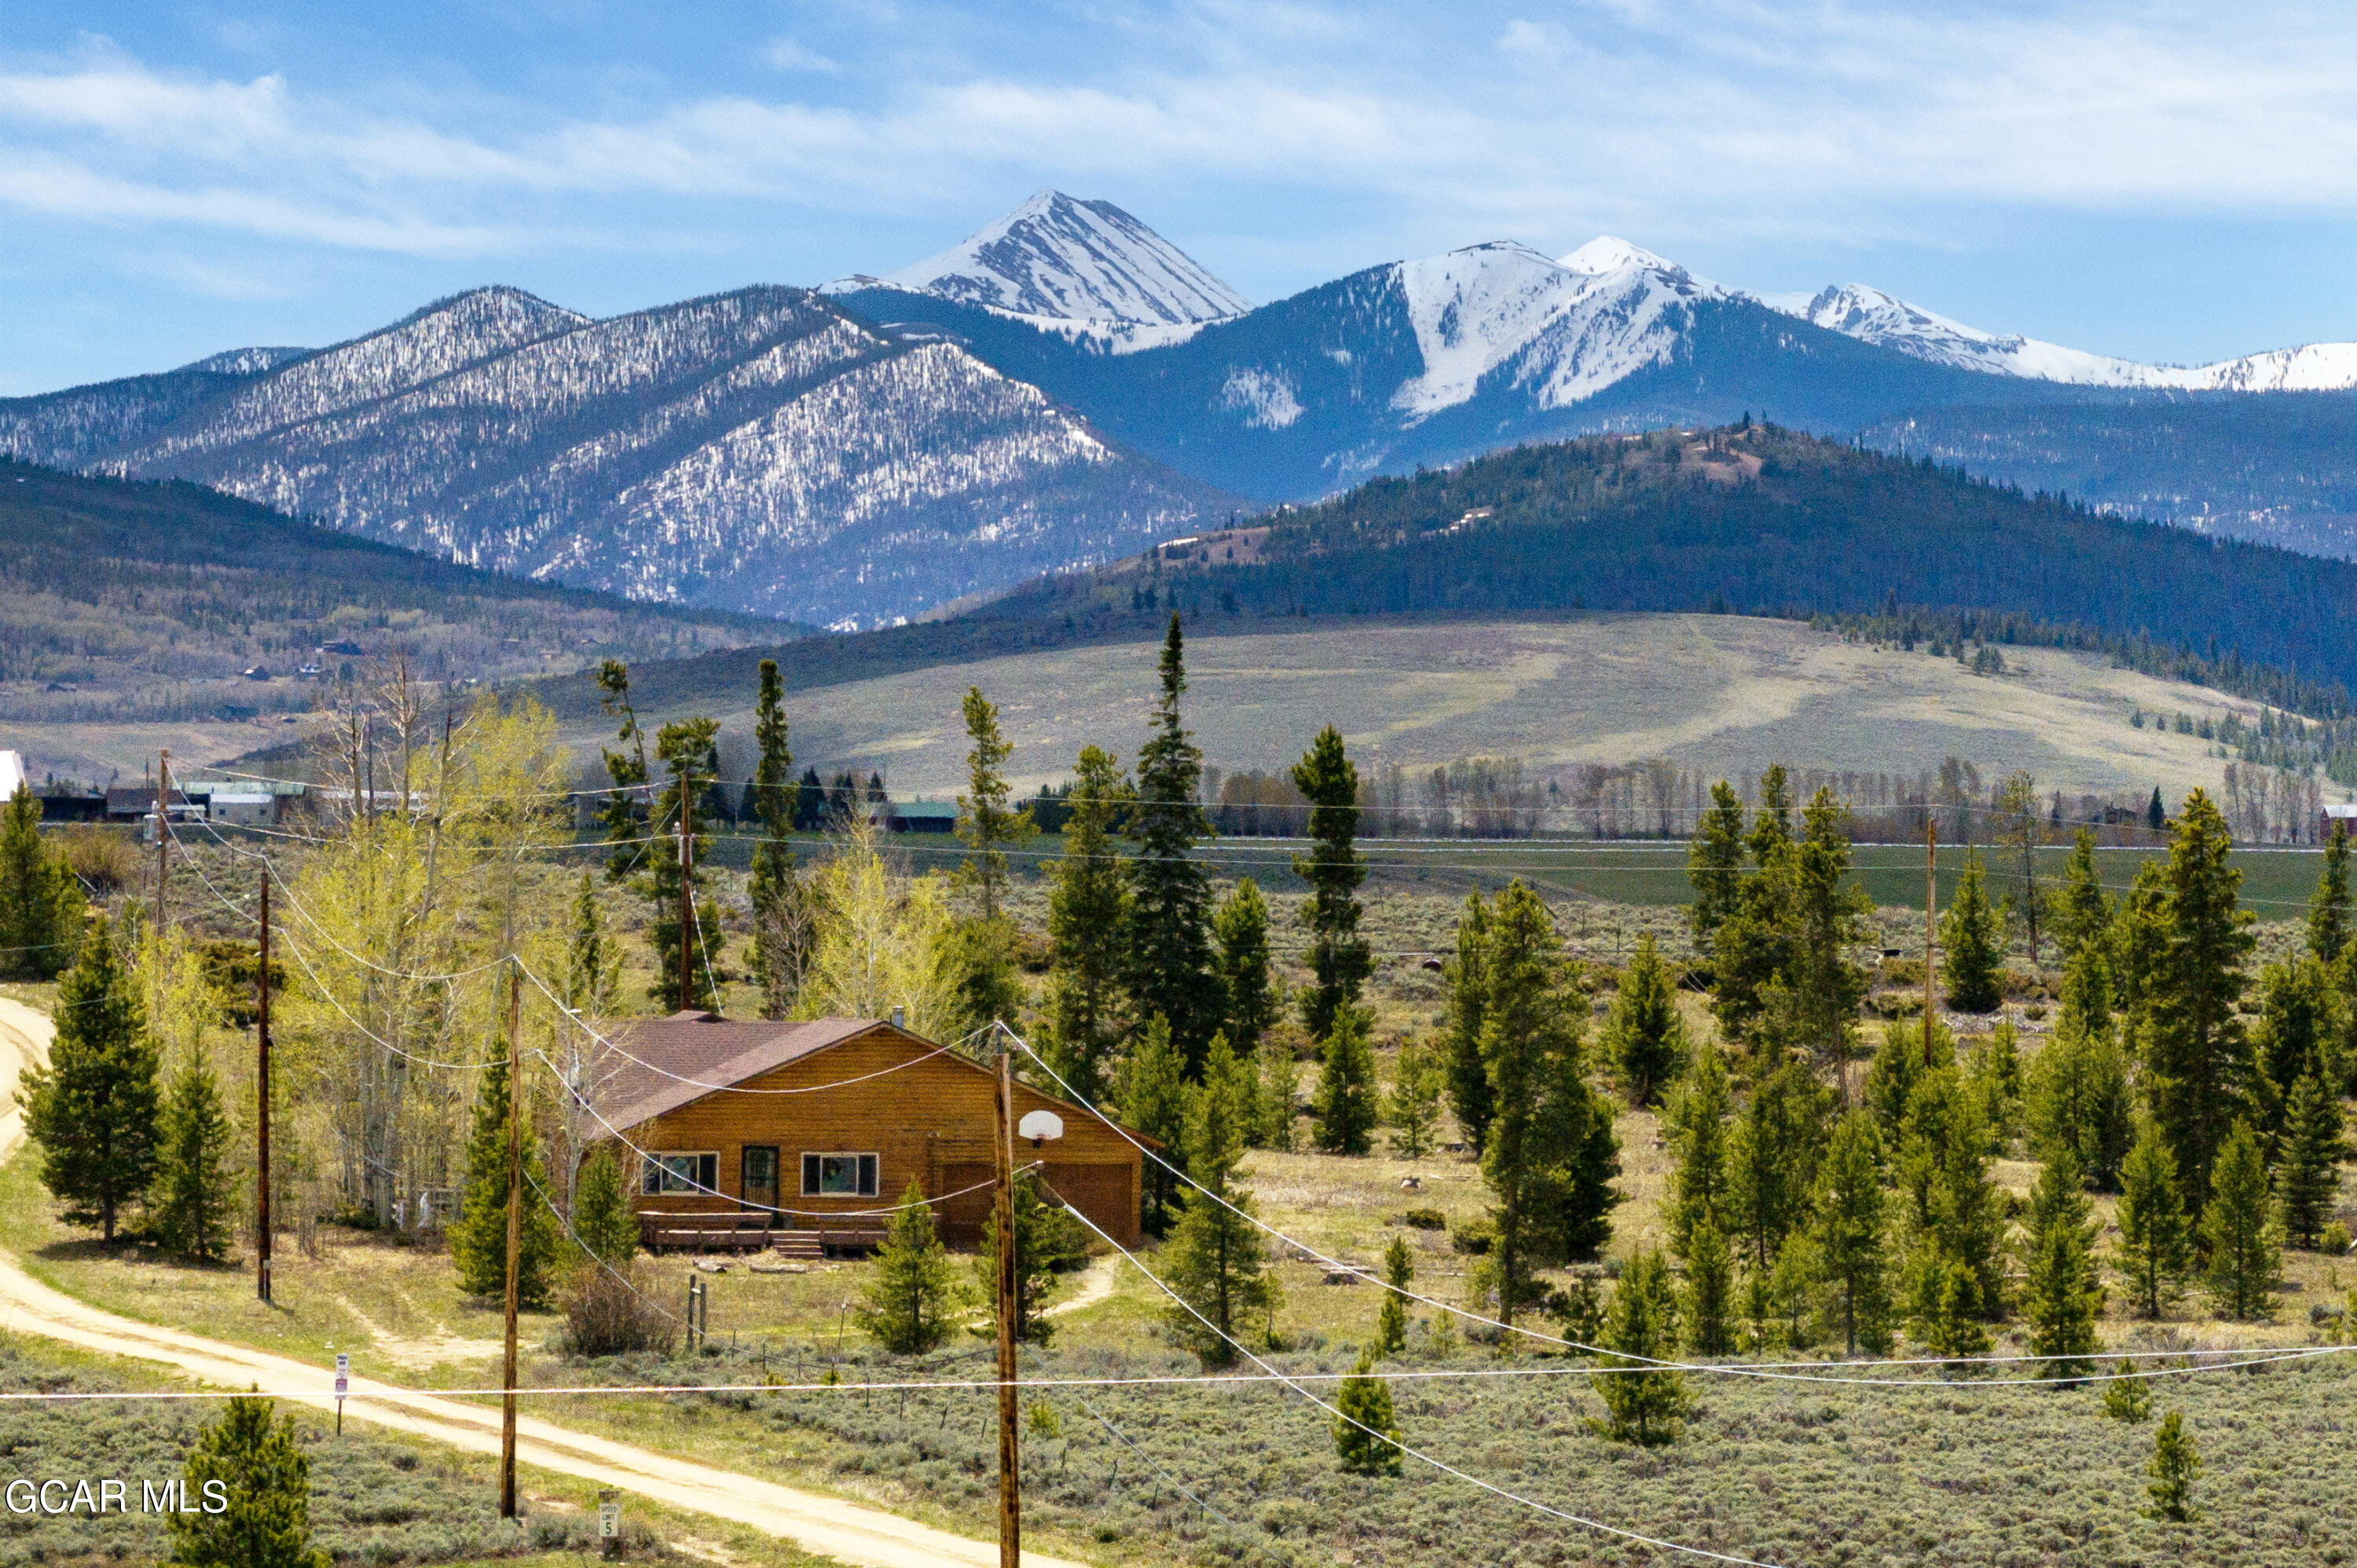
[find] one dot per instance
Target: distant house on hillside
(921, 816)
(344, 648)
(256, 673)
(2345, 816)
(741, 1132)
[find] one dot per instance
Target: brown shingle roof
(687, 1056)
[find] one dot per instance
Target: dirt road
(846, 1531)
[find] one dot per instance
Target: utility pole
(261, 1101)
(1010, 1480)
(1930, 900)
(686, 899)
(163, 835)
(515, 1234)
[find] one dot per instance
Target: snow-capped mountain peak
(1609, 253)
(1063, 258)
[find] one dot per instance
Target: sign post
(609, 1522)
(343, 1386)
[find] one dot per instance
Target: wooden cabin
(759, 1133)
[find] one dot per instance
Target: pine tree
(621, 816)
(684, 748)
(2156, 1239)
(986, 975)
(1695, 1126)
(1773, 1161)
(1852, 1233)
(2199, 1059)
(2299, 1020)
(782, 926)
(1240, 928)
(1996, 1079)
(93, 1108)
(1956, 1211)
(1709, 1315)
(2238, 1230)
(2176, 1464)
(1411, 1105)
(2078, 1095)
(2082, 910)
(1343, 1113)
(988, 826)
(2309, 1177)
(1214, 1260)
(193, 1202)
(261, 1470)
(2127, 1396)
(2328, 906)
(1279, 1102)
(1972, 945)
(1391, 1316)
(1645, 1035)
(1340, 961)
(905, 1308)
(478, 1238)
(1715, 865)
(1644, 1405)
(1088, 931)
(2156, 814)
(1154, 1102)
(1468, 995)
(1827, 915)
(1366, 1432)
(602, 1217)
(1047, 1240)
(1949, 1321)
(1898, 1067)
(41, 908)
(1171, 971)
(2061, 1301)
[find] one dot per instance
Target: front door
(758, 1176)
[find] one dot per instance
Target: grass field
(1725, 694)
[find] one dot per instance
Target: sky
(2162, 181)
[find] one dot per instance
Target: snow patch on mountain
(1069, 259)
(1609, 253)
(1265, 399)
(244, 361)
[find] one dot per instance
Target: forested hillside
(1762, 520)
(127, 600)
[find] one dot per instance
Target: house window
(838, 1176)
(692, 1175)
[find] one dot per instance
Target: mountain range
(1067, 385)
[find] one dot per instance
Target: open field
(1725, 694)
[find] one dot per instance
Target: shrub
(104, 858)
(607, 1313)
(1473, 1239)
(1430, 1220)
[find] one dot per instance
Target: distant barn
(757, 1133)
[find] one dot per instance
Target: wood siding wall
(930, 1122)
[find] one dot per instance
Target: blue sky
(2172, 182)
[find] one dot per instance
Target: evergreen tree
(1948, 1318)
(2238, 1231)
(1773, 1162)
(194, 1202)
(1583, 1211)
(1171, 969)
(1852, 1234)
(2311, 1169)
(2061, 1301)
(1828, 918)
(1366, 1432)
(622, 816)
(2078, 1098)
(93, 1108)
(1340, 961)
(41, 908)
(1972, 945)
(905, 1308)
(684, 748)
(1956, 1213)
(2082, 910)
(261, 1469)
(1644, 1405)
(1154, 1102)
(1214, 1260)
(2300, 1023)
(2328, 906)
(986, 976)
(1715, 865)
(1898, 1064)
(2200, 1066)
(1088, 931)
(1344, 1112)
(2156, 814)
(2127, 1395)
(602, 1217)
(479, 1237)
(2176, 1463)
(782, 928)
(593, 962)
(1241, 927)
(2156, 1239)
(986, 823)
(1709, 1315)
(1391, 1316)
(1645, 1035)
(1468, 995)
(1695, 1128)
(1996, 1079)
(1279, 1102)
(1411, 1106)
(1047, 1240)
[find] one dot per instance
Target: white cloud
(787, 54)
